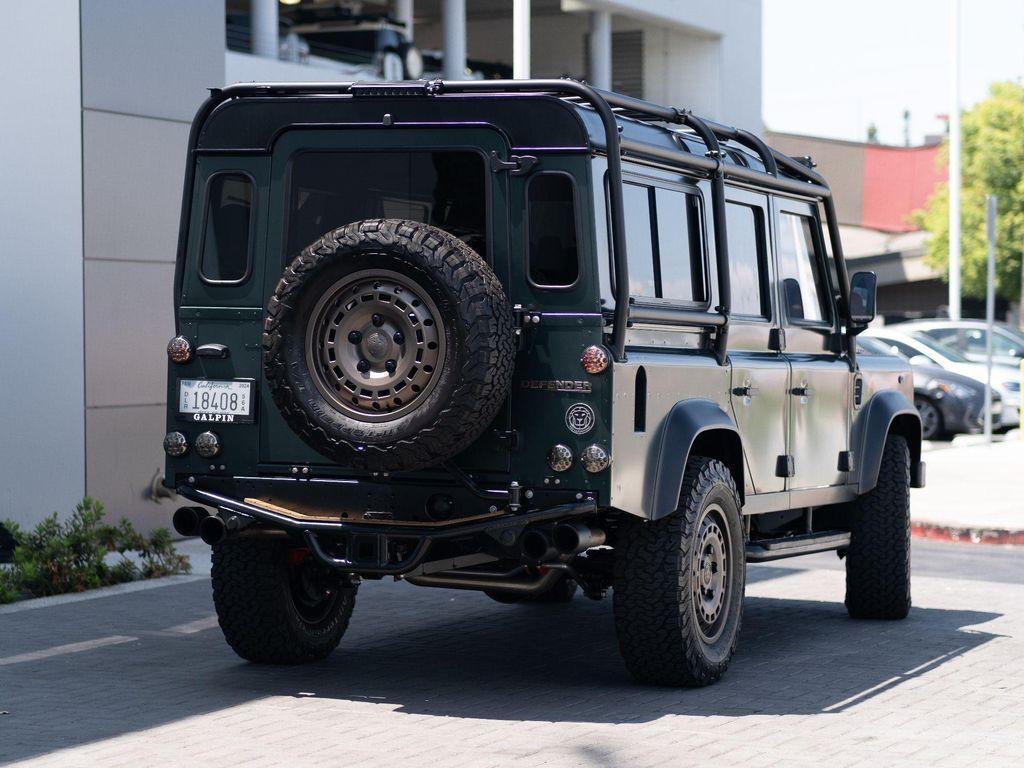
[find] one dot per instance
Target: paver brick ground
(437, 678)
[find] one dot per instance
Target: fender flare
(887, 411)
(685, 423)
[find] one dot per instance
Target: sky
(832, 67)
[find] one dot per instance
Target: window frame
(207, 190)
(799, 208)
(759, 203)
(651, 184)
(576, 212)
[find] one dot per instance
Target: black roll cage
(800, 180)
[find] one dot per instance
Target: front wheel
(275, 603)
(878, 560)
(679, 583)
(932, 427)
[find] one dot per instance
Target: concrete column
(264, 27)
(403, 13)
(453, 13)
(521, 39)
(599, 68)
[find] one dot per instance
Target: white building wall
(42, 441)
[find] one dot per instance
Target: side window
(636, 205)
(680, 252)
(551, 213)
(225, 250)
(801, 272)
(747, 260)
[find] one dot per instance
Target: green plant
(72, 555)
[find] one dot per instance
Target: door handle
(745, 391)
(801, 391)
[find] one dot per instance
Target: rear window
(331, 189)
(226, 233)
(551, 215)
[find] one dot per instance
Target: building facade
(92, 154)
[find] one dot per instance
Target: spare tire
(388, 345)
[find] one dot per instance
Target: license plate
(224, 402)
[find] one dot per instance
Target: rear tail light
(208, 445)
(595, 459)
(175, 444)
(595, 359)
(560, 457)
(179, 350)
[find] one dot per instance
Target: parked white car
(923, 350)
(970, 337)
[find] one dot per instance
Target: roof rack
(781, 173)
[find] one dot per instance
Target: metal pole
(954, 160)
(454, 22)
(264, 28)
(521, 39)
(403, 13)
(600, 69)
(990, 311)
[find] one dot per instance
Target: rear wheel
(275, 603)
(878, 560)
(679, 583)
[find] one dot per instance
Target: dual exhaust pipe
(546, 544)
(197, 521)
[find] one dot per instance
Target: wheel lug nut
(363, 366)
(399, 337)
(378, 320)
(390, 366)
(355, 337)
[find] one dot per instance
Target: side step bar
(790, 546)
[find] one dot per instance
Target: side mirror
(863, 291)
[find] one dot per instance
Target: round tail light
(595, 459)
(595, 359)
(560, 457)
(208, 445)
(175, 444)
(179, 350)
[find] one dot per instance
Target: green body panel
(517, 444)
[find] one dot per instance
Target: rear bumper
(379, 548)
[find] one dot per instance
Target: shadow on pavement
(450, 654)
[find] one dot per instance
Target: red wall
(897, 181)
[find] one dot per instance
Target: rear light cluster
(207, 444)
(594, 458)
(595, 359)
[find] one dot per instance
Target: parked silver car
(970, 337)
(922, 349)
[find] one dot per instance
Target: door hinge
(785, 466)
(508, 435)
(517, 165)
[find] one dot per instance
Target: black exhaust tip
(573, 538)
(186, 520)
(537, 546)
(212, 530)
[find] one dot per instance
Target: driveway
(438, 678)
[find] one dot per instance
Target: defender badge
(580, 418)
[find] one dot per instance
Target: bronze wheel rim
(711, 574)
(375, 345)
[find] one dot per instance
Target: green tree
(992, 163)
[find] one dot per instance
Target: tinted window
(680, 255)
(331, 189)
(745, 230)
(803, 282)
(639, 246)
(553, 253)
(225, 254)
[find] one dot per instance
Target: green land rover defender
(527, 338)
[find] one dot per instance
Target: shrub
(72, 555)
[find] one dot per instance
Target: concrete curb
(962, 535)
(95, 594)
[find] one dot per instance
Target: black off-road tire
(655, 613)
(256, 608)
(562, 591)
(878, 560)
(473, 379)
